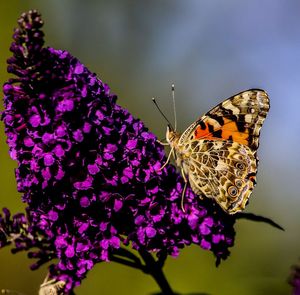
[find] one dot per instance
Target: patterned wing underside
(218, 151)
(222, 170)
(237, 119)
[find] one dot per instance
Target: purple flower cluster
(11, 229)
(89, 171)
(17, 230)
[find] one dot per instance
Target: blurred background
(210, 50)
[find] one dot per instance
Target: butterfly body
(217, 153)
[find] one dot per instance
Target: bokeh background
(211, 50)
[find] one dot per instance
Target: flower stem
(155, 270)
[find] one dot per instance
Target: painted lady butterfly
(217, 153)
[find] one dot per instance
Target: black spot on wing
(226, 112)
(202, 125)
(240, 123)
(240, 126)
(217, 133)
(210, 128)
(219, 119)
(231, 117)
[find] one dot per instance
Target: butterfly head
(172, 136)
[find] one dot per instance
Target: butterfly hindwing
(222, 170)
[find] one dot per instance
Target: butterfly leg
(168, 160)
(163, 143)
(184, 190)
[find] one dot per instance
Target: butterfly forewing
(238, 118)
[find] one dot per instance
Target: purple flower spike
(89, 171)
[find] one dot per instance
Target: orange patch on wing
(229, 132)
(240, 137)
(201, 133)
(230, 129)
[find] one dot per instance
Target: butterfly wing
(222, 170)
(222, 147)
(238, 118)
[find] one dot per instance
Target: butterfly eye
(232, 191)
(238, 183)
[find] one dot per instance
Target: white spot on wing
(248, 118)
(230, 106)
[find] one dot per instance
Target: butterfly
(217, 154)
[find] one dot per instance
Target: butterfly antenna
(157, 106)
(174, 107)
